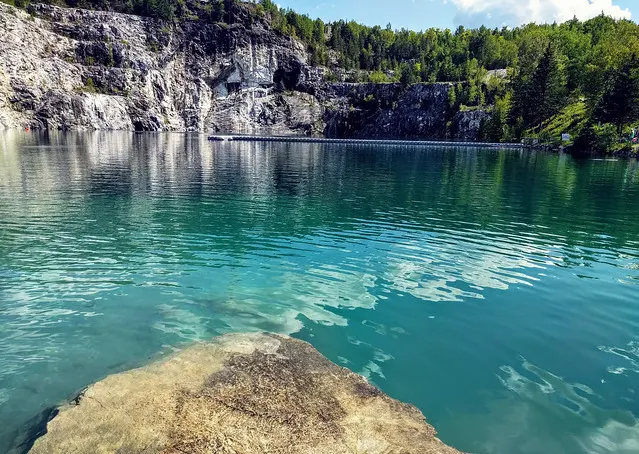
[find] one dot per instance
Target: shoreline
(301, 139)
(326, 140)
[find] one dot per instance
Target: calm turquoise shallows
(497, 290)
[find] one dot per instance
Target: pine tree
(546, 93)
(494, 129)
(164, 10)
(318, 32)
(618, 104)
(409, 74)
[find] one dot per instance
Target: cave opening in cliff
(233, 87)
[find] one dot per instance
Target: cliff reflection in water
(441, 217)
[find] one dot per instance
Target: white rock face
(78, 69)
(83, 70)
(29, 66)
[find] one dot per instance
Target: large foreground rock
(250, 393)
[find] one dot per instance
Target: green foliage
(319, 55)
(409, 74)
(153, 46)
(548, 87)
(89, 86)
(357, 77)
(110, 60)
(452, 97)
(543, 93)
(269, 6)
(496, 129)
(330, 76)
(618, 103)
(571, 120)
(378, 77)
(260, 12)
(595, 139)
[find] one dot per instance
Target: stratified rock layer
(74, 69)
(248, 393)
(65, 68)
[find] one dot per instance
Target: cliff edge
(75, 69)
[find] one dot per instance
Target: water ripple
(115, 247)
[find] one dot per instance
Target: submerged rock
(245, 393)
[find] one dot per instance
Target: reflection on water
(432, 272)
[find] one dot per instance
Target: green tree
(496, 128)
(409, 74)
(319, 36)
(619, 103)
(378, 77)
(269, 6)
(162, 9)
(547, 89)
(595, 139)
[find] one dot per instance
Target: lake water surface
(497, 290)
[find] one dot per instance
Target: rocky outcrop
(466, 124)
(63, 68)
(387, 111)
(242, 393)
(77, 69)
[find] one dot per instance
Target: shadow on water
(32, 430)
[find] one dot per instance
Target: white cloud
(516, 12)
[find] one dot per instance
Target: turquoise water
(496, 290)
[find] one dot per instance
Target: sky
(421, 14)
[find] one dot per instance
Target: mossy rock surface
(240, 393)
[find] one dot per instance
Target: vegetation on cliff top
(589, 68)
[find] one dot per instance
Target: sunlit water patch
(496, 290)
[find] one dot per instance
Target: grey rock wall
(466, 124)
(76, 69)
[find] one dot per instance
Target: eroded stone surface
(65, 68)
(75, 69)
(242, 393)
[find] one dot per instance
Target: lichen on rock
(241, 394)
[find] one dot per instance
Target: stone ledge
(240, 393)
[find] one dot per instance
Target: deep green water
(496, 290)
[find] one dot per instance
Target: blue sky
(420, 14)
